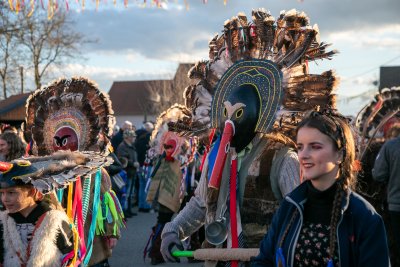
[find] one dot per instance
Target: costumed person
(252, 92)
(374, 123)
(323, 222)
(167, 186)
(73, 114)
(34, 231)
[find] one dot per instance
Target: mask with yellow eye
(249, 95)
(242, 108)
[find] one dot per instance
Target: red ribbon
(232, 208)
(223, 149)
(77, 213)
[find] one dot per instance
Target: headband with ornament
(378, 116)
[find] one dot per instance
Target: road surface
(129, 250)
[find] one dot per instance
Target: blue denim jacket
(361, 233)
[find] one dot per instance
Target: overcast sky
(136, 43)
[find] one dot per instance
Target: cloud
(104, 76)
(382, 43)
(385, 37)
(157, 34)
(172, 32)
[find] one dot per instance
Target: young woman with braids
(323, 222)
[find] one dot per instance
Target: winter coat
(142, 144)
(129, 152)
(361, 233)
(387, 169)
(51, 240)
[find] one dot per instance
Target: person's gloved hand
(169, 241)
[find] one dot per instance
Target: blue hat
(13, 173)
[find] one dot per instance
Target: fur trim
(44, 251)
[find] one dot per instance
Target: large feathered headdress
(377, 116)
(69, 114)
(161, 134)
(287, 44)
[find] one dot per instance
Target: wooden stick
(220, 254)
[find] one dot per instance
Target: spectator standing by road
(387, 169)
(11, 146)
(127, 150)
(142, 145)
(323, 222)
(118, 137)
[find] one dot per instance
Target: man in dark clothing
(387, 169)
(142, 145)
(127, 150)
(118, 137)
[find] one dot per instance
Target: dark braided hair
(336, 127)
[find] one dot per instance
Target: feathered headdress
(377, 116)
(51, 172)
(161, 134)
(69, 114)
(287, 43)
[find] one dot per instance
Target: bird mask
(245, 102)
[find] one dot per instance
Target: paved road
(129, 250)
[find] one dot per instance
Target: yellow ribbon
(76, 244)
(69, 201)
(11, 4)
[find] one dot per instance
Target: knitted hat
(129, 133)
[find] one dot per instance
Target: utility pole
(21, 72)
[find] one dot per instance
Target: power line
(370, 70)
(393, 59)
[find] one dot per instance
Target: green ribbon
(183, 253)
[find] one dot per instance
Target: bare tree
(9, 56)
(158, 98)
(164, 93)
(34, 44)
(49, 42)
(181, 81)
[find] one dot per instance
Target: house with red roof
(141, 101)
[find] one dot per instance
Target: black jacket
(128, 152)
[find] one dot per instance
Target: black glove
(170, 240)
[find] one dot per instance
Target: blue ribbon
(60, 194)
(212, 156)
(96, 204)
